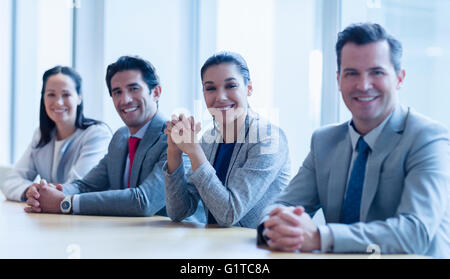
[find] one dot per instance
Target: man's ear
(400, 78)
(250, 88)
(338, 79)
(156, 92)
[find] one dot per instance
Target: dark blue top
(221, 164)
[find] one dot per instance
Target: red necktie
(132, 146)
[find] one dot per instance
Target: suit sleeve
(421, 210)
(302, 189)
(96, 180)
(22, 175)
(93, 149)
(147, 199)
(181, 196)
(247, 185)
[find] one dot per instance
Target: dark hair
(365, 33)
(228, 57)
(46, 125)
(125, 63)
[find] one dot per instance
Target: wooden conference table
(53, 236)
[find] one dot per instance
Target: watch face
(65, 205)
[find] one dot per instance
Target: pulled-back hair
(228, 57)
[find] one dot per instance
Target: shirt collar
(369, 138)
(140, 134)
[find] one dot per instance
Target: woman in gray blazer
(67, 145)
(239, 165)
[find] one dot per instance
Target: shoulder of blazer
(100, 128)
(122, 130)
(265, 131)
(154, 140)
(119, 135)
(155, 130)
(159, 121)
(93, 132)
(331, 131)
(47, 147)
(35, 139)
(423, 129)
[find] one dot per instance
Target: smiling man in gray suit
(382, 178)
(128, 181)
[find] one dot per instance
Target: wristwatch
(66, 205)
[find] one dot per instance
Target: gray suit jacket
(103, 192)
(81, 152)
(259, 169)
(405, 201)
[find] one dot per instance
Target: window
(288, 45)
(281, 45)
(423, 28)
(161, 32)
(5, 80)
(43, 32)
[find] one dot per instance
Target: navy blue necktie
(352, 202)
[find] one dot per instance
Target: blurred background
(288, 44)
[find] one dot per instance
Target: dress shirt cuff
(326, 239)
(261, 239)
(76, 204)
(23, 197)
(204, 171)
(179, 171)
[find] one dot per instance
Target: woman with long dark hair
(67, 145)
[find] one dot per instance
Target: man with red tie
(128, 181)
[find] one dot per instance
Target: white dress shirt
(59, 145)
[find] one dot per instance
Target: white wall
(280, 39)
(89, 56)
(422, 26)
(159, 31)
(43, 41)
(5, 80)
(295, 90)
(277, 39)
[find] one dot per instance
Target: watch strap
(66, 205)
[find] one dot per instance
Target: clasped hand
(44, 197)
(290, 229)
(182, 133)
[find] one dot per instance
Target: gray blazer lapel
(62, 163)
(46, 160)
(242, 138)
(151, 136)
(118, 157)
(338, 177)
(384, 145)
(210, 142)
